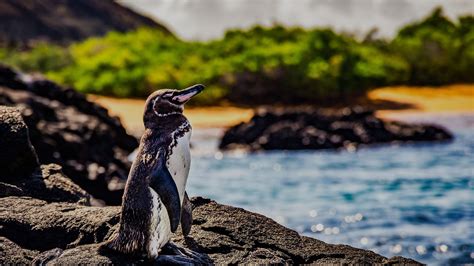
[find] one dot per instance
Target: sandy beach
(450, 99)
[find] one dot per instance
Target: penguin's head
(164, 103)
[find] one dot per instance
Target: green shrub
(438, 50)
(43, 57)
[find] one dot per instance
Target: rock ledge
(228, 235)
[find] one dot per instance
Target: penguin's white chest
(160, 230)
(178, 165)
(179, 162)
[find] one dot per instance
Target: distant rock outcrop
(61, 21)
(309, 128)
(67, 129)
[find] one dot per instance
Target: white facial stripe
(154, 102)
(165, 114)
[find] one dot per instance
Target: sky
(209, 19)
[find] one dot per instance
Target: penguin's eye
(171, 98)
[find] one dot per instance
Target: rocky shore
(314, 129)
(45, 217)
(225, 235)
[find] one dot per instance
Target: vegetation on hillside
(260, 65)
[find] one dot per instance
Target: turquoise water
(413, 200)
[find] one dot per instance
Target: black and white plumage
(155, 202)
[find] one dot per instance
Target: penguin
(155, 201)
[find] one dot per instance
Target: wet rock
(226, 234)
(67, 129)
(308, 128)
(17, 155)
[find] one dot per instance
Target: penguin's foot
(173, 254)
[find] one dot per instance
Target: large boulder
(17, 155)
(71, 235)
(20, 172)
(309, 128)
(67, 129)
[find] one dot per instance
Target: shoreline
(446, 100)
(455, 99)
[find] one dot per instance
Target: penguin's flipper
(162, 182)
(186, 215)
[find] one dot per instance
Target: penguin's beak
(184, 95)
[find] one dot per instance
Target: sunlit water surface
(411, 200)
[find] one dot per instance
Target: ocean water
(413, 200)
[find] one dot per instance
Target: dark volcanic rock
(67, 129)
(18, 162)
(17, 155)
(228, 235)
(307, 128)
(47, 183)
(61, 21)
(13, 254)
(38, 225)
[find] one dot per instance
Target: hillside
(63, 21)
